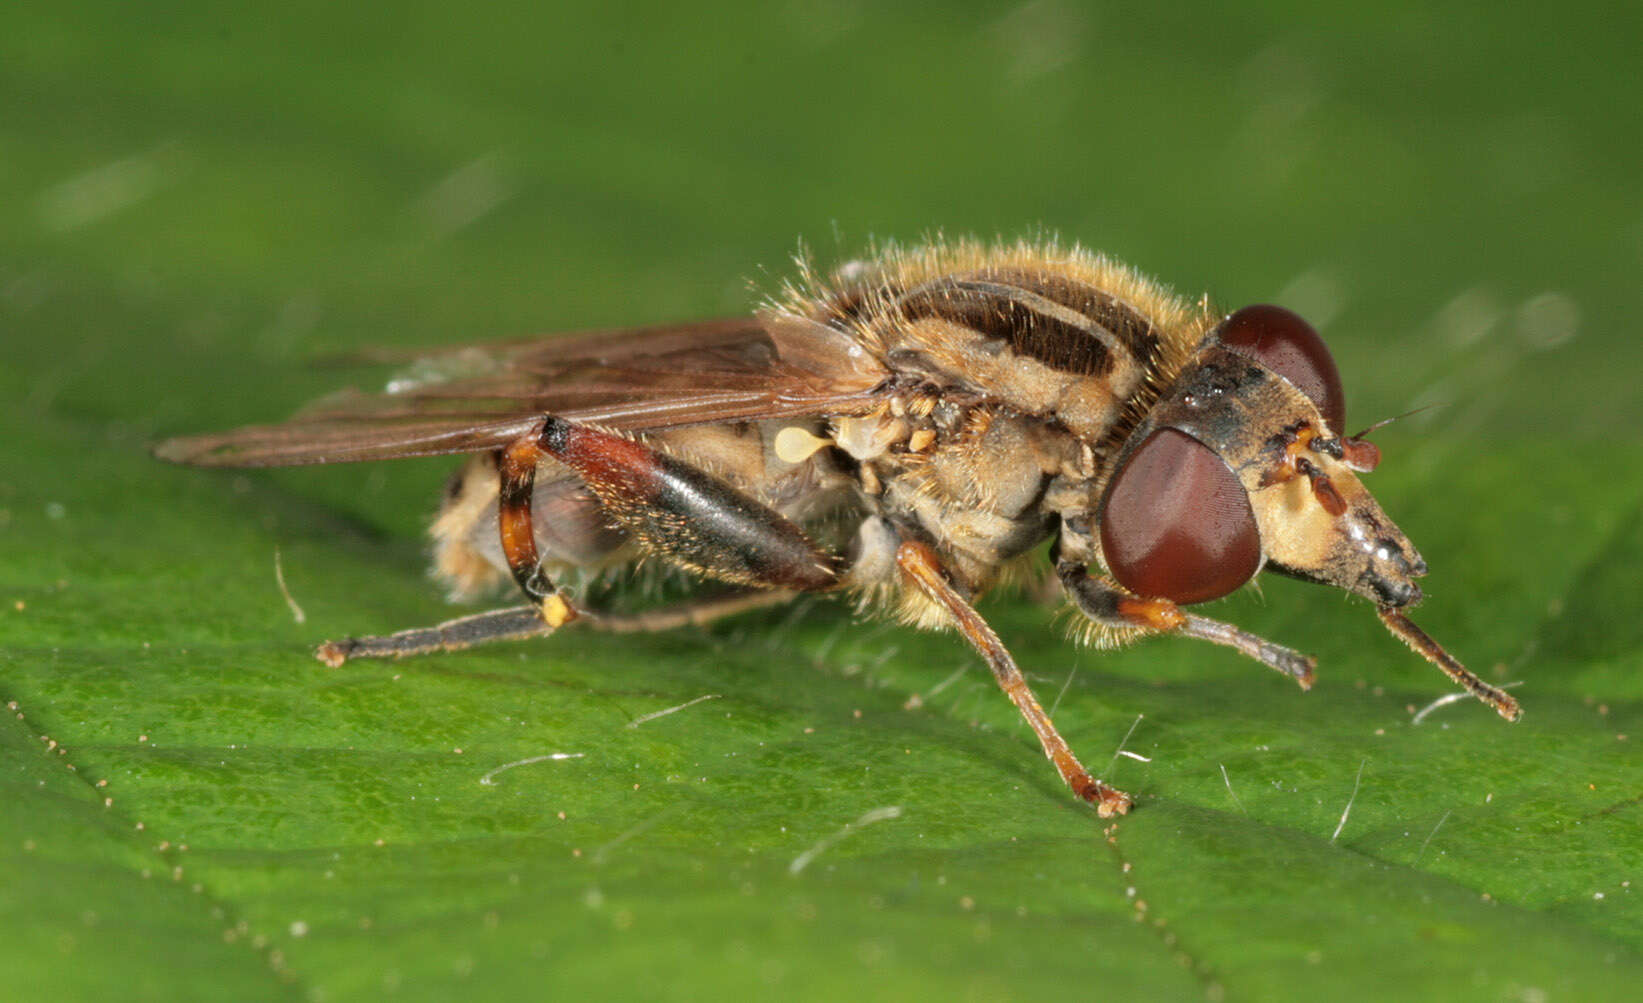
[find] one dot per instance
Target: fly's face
(1335, 535)
(1243, 465)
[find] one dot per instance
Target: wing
(464, 400)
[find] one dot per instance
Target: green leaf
(195, 808)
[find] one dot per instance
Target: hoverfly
(906, 430)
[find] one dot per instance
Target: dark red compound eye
(1287, 345)
(1176, 524)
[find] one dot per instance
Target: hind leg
(517, 623)
(676, 511)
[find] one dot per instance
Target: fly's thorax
(956, 356)
(1062, 336)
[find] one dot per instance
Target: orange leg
(1404, 628)
(1105, 603)
(516, 466)
(923, 568)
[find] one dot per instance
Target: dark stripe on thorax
(1103, 308)
(1052, 329)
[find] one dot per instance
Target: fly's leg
(675, 510)
(1105, 603)
(514, 623)
(516, 468)
(519, 622)
(689, 613)
(919, 563)
(547, 612)
(1422, 644)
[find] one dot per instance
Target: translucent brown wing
(474, 398)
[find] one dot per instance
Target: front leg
(921, 566)
(1105, 603)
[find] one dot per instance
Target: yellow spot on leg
(556, 612)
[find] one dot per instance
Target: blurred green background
(199, 201)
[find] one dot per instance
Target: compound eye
(1287, 345)
(1176, 524)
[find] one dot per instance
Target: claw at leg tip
(1114, 803)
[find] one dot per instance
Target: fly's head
(1243, 465)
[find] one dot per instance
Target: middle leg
(918, 561)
